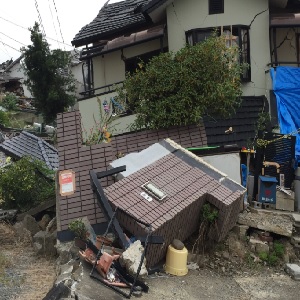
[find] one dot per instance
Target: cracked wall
(286, 45)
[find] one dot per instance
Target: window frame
(191, 36)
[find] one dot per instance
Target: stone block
(259, 248)
(30, 224)
(44, 221)
(293, 270)
(44, 243)
(258, 245)
(285, 204)
(240, 230)
(296, 218)
(295, 240)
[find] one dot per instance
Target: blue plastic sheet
(286, 86)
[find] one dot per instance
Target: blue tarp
(286, 86)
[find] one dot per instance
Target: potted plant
(78, 228)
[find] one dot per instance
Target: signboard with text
(66, 182)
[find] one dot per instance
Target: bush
(3, 118)
(279, 249)
(180, 88)
(10, 101)
(25, 184)
(272, 258)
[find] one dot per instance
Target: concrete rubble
(266, 220)
(293, 270)
(130, 259)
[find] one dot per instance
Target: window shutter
(216, 7)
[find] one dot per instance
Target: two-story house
(124, 32)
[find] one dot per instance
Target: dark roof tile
(112, 20)
(27, 144)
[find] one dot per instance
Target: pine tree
(48, 76)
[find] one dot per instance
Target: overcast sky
(61, 20)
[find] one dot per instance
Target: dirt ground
(28, 277)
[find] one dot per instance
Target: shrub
(279, 249)
(10, 101)
(25, 184)
(3, 118)
(78, 227)
(180, 88)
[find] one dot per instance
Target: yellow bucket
(176, 261)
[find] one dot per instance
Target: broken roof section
(185, 182)
(112, 19)
(33, 146)
(125, 41)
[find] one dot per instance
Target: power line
(20, 26)
(53, 24)
(39, 16)
(10, 46)
(58, 23)
(12, 38)
(4, 47)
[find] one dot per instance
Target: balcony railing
(103, 90)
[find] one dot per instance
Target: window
(131, 64)
(237, 35)
(215, 7)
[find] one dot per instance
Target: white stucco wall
(90, 113)
(17, 71)
(286, 42)
(110, 68)
(190, 14)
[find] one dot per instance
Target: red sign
(67, 182)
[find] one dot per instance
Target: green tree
(52, 87)
(180, 88)
(25, 183)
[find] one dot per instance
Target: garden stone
(44, 243)
(177, 244)
(52, 226)
(293, 270)
(30, 224)
(44, 221)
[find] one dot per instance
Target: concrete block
(296, 218)
(256, 204)
(258, 245)
(293, 270)
(268, 206)
(295, 240)
(285, 204)
(240, 230)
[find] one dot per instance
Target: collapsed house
(168, 192)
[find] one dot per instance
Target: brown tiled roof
(181, 182)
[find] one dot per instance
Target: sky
(61, 20)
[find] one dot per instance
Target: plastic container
(176, 261)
